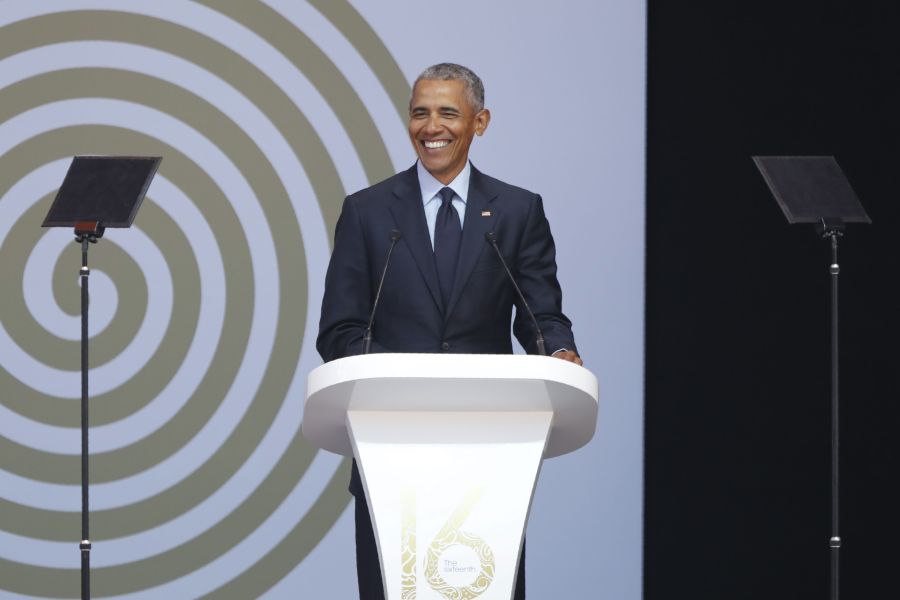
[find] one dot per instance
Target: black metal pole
(835, 541)
(85, 545)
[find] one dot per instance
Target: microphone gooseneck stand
(491, 239)
(85, 234)
(833, 230)
(367, 337)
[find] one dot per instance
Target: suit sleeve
(348, 295)
(536, 275)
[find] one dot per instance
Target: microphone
(491, 238)
(367, 338)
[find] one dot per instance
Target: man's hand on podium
(569, 356)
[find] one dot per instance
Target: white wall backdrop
(266, 114)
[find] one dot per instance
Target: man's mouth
(435, 144)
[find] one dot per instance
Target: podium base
(449, 495)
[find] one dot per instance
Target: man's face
(442, 124)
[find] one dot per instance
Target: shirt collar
(429, 186)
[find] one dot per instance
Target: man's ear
(481, 121)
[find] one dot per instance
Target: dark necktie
(447, 238)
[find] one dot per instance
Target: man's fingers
(569, 356)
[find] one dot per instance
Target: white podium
(449, 447)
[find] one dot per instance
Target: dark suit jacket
(411, 316)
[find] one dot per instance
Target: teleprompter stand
(813, 189)
(98, 192)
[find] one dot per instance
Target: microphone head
(490, 236)
(395, 235)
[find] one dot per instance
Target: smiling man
(444, 117)
(446, 289)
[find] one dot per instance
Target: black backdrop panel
(737, 396)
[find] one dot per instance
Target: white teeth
(436, 144)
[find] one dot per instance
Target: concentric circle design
(203, 315)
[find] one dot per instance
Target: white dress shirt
(431, 199)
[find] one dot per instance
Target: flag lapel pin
(485, 213)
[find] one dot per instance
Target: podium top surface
(451, 383)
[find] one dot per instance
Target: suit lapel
(410, 217)
(480, 219)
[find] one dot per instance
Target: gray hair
(454, 72)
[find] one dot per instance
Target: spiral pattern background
(203, 314)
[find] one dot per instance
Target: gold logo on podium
(450, 540)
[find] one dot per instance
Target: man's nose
(433, 124)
